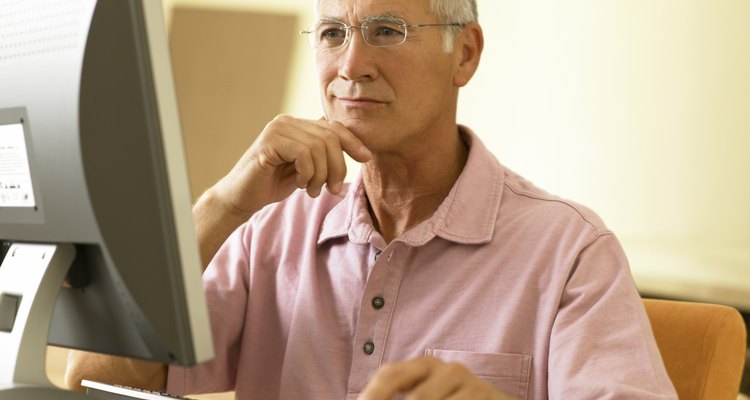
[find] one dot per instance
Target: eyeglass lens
(330, 35)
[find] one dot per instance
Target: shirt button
(369, 348)
(378, 302)
(377, 255)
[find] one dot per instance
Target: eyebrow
(380, 17)
(330, 19)
(385, 18)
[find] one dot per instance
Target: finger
(336, 162)
(334, 154)
(317, 150)
(303, 165)
(334, 157)
(336, 165)
(395, 378)
(306, 152)
(481, 391)
(278, 150)
(445, 380)
(350, 143)
(324, 139)
(467, 394)
(273, 148)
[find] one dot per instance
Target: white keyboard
(105, 391)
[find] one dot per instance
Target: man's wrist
(219, 206)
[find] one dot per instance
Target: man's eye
(386, 30)
(331, 33)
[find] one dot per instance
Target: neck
(405, 188)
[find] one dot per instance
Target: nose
(357, 62)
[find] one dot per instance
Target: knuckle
(283, 118)
(304, 152)
(335, 175)
(273, 125)
(335, 124)
(265, 140)
(329, 137)
(278, 123)
(455, 368)
(303, 166)
(318, 144)
(316, 182)
(477, 385)
(389, 372)
(432, 360)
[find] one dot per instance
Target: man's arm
(115, 370)
(213, 222)
(290, 153)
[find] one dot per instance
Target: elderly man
(436, 274)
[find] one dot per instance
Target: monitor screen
(91, 156)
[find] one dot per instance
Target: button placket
(380, 293)
(384, 302)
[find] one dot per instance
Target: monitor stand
(30, 279)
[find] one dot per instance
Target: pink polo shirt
(529, 291)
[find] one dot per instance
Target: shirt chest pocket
(509, 373)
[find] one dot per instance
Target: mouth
(359, 102)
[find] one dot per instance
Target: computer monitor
(93, 187)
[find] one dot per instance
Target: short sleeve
(601, 344)
(225, 283)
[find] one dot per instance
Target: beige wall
(640, 110)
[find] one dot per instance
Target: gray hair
(453, 11)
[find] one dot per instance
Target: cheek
(426, 71)
(326, 72)
(426, 85)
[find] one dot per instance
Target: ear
(467, 50)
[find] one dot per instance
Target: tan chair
(703, 347)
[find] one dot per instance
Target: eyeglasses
(376, 32)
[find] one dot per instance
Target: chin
(370, 132)
(363, 130)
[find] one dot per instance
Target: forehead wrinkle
(326, 18)
(391, 8)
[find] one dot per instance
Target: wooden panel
(56, 361)
(230, 71)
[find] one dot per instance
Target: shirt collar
(467, 215)
(349, 217)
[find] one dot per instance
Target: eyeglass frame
(347, 29)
